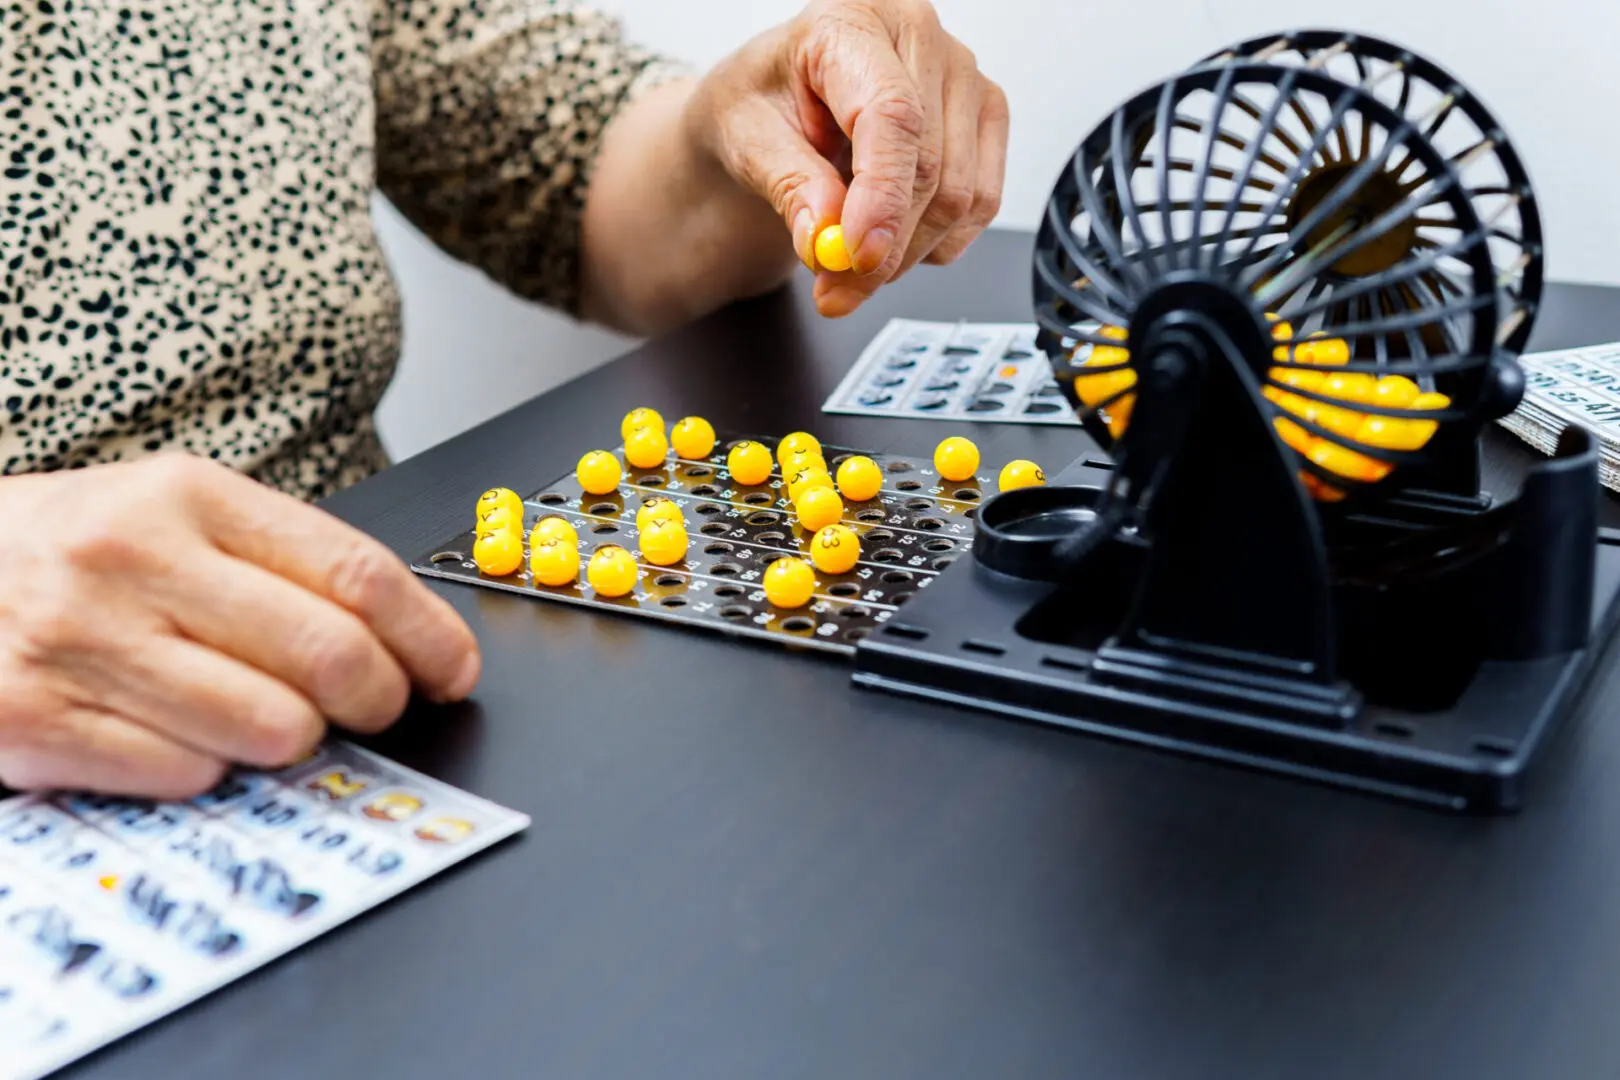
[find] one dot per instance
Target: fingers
(991, 173)
(851, 64)
(85, 748)
(962, 103)
(774, 159)
(315, 551)
(201, 699)
(324, 653)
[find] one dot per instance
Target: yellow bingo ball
(663, 542)
(835, 549)
(553, 528)
(692, 437)
(499, 553)
(640, 418)
(554, 561)
(659, 508)
(500, 519)
(646, 447)
(831, 254)
(860, 478)
(811, 476)
(789, 583)
(612, 571)
(818, 507)
(498, 497)
(798, 442)
(749, 463)
(598, 472)
(802, 459)
(956, 459)
(1021, 474)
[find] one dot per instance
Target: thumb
(773, 159)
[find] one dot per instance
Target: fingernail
(804, 237)
(465, 681)
(874, 249)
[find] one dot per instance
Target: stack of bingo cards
(1572, 386)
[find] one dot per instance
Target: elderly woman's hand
(865, 113)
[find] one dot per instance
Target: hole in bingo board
(771, 537)
(858, 611)
(705, 490)
(895, 577)
(798, 624)
(447, 556)
(605, 508)
(669, 580)
(765, 517)
(878, 536)
(967, 494)
(839, 460)
(844, 588)
(673, 601)
(943, 562)
(930, 523)
(888, 555)
(758, 498)
(918, 504)
(900, 598)
(725, 569)
(551, 498)
(870, 515)
(728, 592)
(699, 470)
(603, 528)
(936, 546)
(713, 528)
(899, 466)
(736, 611)
(651, 481)
(908, 485)
(719, 547)
(858, 633)
(709, 509)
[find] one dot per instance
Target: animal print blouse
(186, 249)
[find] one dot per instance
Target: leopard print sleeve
(490, 115)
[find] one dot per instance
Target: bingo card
(115, 912)
(953, 371)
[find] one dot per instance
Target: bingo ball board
(914, 528)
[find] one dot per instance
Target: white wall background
(1547, 68)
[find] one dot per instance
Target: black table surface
(743, 867)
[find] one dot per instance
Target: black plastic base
(1033, 650)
